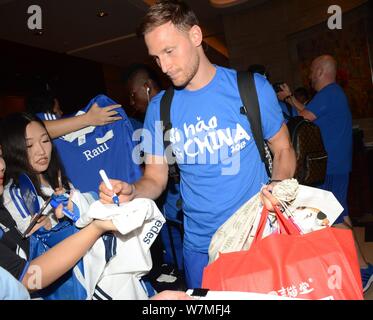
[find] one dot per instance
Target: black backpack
(311, 154)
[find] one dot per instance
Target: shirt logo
(91, 154)
(204, 138)
(153, 232)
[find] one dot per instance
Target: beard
(190, 73)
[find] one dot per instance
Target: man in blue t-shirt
(219, 163)
(330, 110)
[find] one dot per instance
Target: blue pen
(109, 186)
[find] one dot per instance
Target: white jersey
(139, 223)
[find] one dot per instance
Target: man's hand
(100, 116)
(268, 200)
(126, 192)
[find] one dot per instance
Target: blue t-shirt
(107, 147)
(330, 106)
(219, 162)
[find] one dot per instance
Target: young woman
(14, 250)
(26, 147)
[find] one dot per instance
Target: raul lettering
(91, 154)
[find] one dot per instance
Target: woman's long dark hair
(13, 142)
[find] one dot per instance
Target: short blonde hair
(164, 11)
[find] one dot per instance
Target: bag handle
(286, 225)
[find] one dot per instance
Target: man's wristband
(273, 180)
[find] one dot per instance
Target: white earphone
(148, 94)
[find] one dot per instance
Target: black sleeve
(11, 262)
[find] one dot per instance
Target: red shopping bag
(318, 265)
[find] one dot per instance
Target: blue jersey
(47, 116)
(219, 162)
(109, 147)
(330, 106)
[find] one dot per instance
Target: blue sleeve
(317, 105)
(152, 134)
(270, 110)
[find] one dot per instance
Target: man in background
(329, 109)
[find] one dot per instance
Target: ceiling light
(102, 14)
(225, 3)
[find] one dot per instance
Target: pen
(109, 186)
(59, 179)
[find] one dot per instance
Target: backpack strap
(249, 97)
(165, 117)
